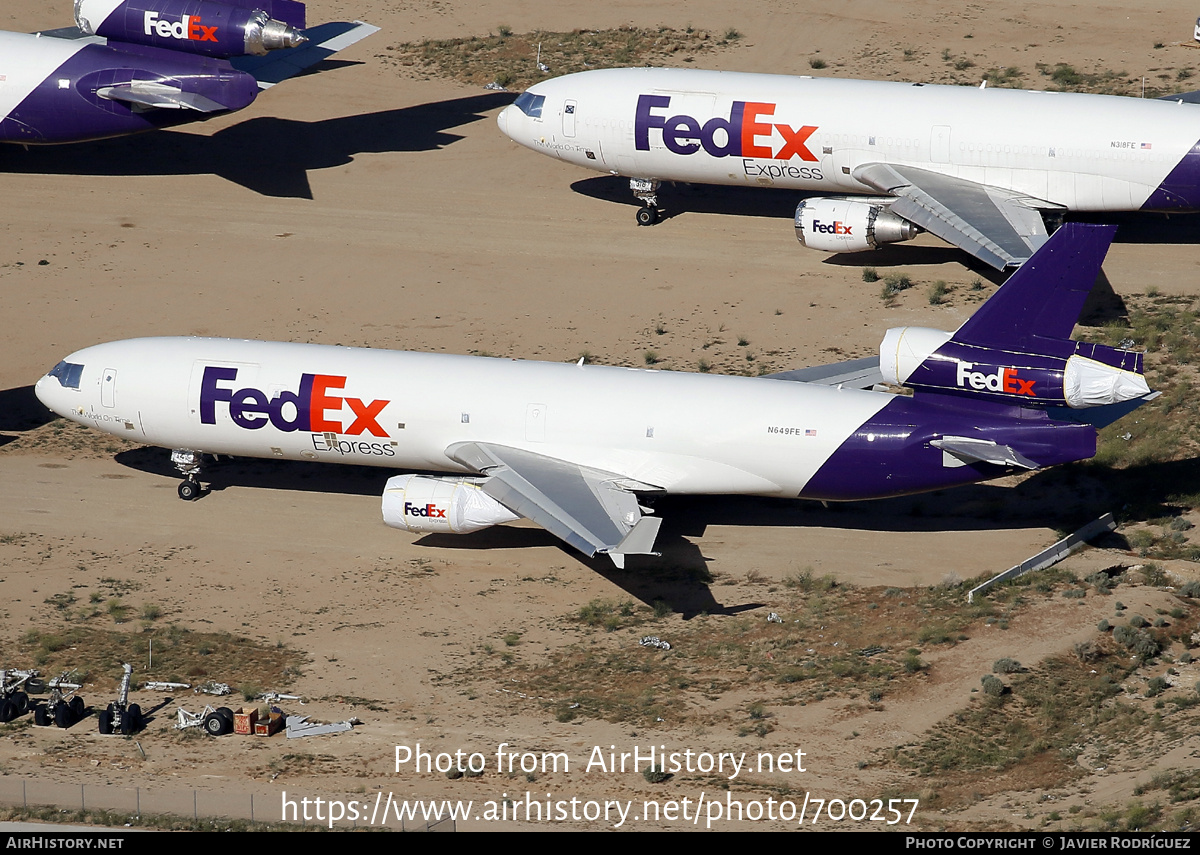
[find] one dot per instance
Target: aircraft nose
(58, 388)
(502, 121)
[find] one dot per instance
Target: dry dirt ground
(367, 205)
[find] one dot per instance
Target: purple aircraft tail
(1017, 348)
(1043, 299)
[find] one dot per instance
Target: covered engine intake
(423, 503)
(196, 26)
(844, 224)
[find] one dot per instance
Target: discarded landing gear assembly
(14, 693)
(121, 716)
(64, 708)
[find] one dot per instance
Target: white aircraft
(977, 167)
(575, 447)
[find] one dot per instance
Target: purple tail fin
(1043, 299)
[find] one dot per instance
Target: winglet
(1044, 297)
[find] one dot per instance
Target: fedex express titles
(311, 408)
(748, 133)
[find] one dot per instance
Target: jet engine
(195, 26)
(1059, 373)
(842, 224)
(422, 503)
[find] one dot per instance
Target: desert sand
(366, 205)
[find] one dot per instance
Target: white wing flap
(1001, 228)
(590, 510)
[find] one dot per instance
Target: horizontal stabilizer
(855, 373)
(324, 40)
(1102, 417)
(971, 450)
(1045, 297)
(159, 95)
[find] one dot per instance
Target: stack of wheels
(16, 705)
(131, 722)
(218, 722)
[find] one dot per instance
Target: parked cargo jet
(135, 65)
(574, 447)
(977, 167)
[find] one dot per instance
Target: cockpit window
(68, 374)
(530, 104)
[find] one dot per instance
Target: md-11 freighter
(575, 447)
(977, 167)
(135, 65)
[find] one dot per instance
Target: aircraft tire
(8, 711)
(105, 719)
(189, 491)
(647, 216)
(214, 724)
(21, 701)
(41, 716)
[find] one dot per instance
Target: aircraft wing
(592, 511)
(855, 373)
(1001, 228)
(324, 40)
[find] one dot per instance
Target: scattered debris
(211, 688)
(298, 727)
(773, 617)
(159, 686)
(654, 641)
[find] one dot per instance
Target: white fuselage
(1074, 151)
(677, 432)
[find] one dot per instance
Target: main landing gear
(646, 189)
(188, 462)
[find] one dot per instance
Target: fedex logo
(432, 511)
(742, 132)
(1004, 380)
(837, 227)
(187, 28)
(311, 408)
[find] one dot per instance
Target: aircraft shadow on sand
(680, 577)
(21, 411)
(267, 155)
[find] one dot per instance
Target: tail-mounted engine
(196, 26)
(1065, 373)
(421, 503)
(833, 224)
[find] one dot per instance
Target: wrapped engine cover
(422, 503)
(834, 224)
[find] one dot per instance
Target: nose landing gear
(646, 189)
(188, 462)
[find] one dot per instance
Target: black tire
(8, 710)
(22, 702)
(41, 716)
(62, 716)
(78, 708)
(105, 718)
(35, 686)
(189, 490)
(214, 724)
(647, 216)
(134, 714)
